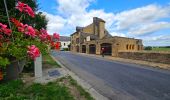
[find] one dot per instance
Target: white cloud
(158, 38)
(75, 14)
(55, 23)
(70, 7)
(149, 28)
(143, 15)
(87, 18)
(118, 34)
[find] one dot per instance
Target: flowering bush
(22, 41)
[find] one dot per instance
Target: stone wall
(152, 57)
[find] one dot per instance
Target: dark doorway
(83, 48)
(107, 48)
(92, 49)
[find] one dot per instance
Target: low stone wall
(152, 57)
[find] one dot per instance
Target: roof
(64, 38)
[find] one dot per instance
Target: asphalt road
(116, 80)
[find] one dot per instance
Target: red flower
(22, 7)
(1, 37)
(4, 29)
(49, 38)
(57, 45)
(33, 52)
(56, 36)
(0, 44)
(16, 22)
(21, 28)
(52, 44)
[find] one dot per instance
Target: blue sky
(148, 20)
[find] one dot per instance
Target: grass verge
(62, 89)
(47, 59)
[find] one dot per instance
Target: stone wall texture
(152, 57)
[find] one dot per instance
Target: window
(132, 47)
(127, 46)
(64, 44)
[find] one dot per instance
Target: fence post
(38, 66)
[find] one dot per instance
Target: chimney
(99, 27)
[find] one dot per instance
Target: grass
(62, 89)
(80, 89)
(47, 59)
(16, 90)
(160, 49)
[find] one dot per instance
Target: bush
(148, 48)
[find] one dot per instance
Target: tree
(38, 22)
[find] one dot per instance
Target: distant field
(160, 49)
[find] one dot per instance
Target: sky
(148, 20)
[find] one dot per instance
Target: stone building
(92, 38)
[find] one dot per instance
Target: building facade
(64, 42)
(92, 38)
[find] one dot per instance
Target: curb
(96, 95)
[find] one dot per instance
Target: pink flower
(22, 7)
(30, 11)
(29, 30)
(56, 36)
(2, 26)
(4, 29)
(43, 35)
(7, 31)
(33, 52)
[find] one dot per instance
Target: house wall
(74, 43)
(128, 44)
(64, 44)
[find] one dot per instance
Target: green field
(160, 49)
